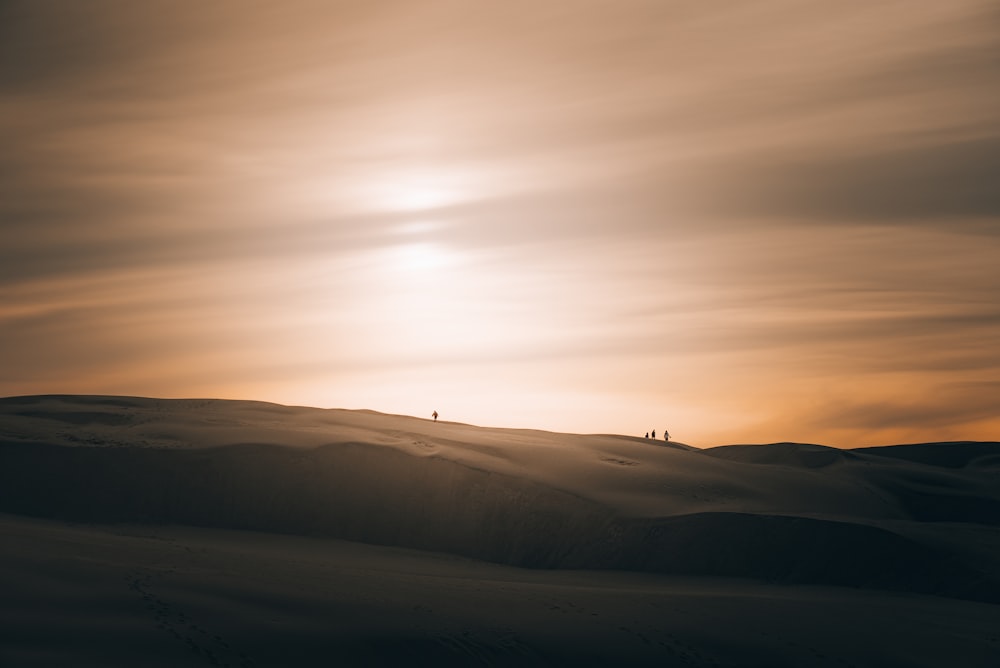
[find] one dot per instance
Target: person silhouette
(666, 435)
(435, 416)
(647, 434)
(654, 433)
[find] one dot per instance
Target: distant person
(666, 435)
(654, 434)
(647, 434)
(435, 416)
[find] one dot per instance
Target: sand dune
(917, 519)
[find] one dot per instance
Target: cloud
(939, 406)
(741, 200)
(925, 182)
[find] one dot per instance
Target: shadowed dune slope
(934, 482)
(783, 512)
(350, 491)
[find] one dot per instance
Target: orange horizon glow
(770, 222)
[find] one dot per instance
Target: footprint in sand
(619, 461)
(182, 628)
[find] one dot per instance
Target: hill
(783, 512)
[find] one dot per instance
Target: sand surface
(204, 532)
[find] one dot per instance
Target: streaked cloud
(752, 221)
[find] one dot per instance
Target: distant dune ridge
(784, 512)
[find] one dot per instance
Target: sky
(741, 222)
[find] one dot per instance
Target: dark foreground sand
(171, 596)
(141, 532)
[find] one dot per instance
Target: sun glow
(424, 300)
(420, 257)
(416, 191)
(418, 197)
(422, 189)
